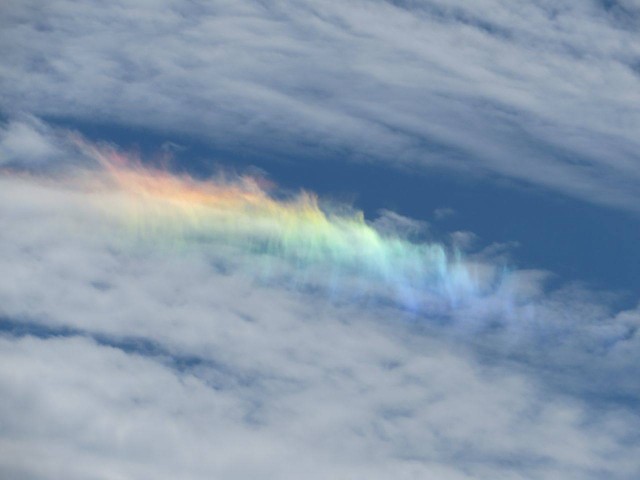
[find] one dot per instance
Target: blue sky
(504, 133)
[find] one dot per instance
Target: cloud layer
(535, 91)
(155, 325)
(137, 360)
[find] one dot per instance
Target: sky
(320, 239)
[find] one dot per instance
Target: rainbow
(314, 239)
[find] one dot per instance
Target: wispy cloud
(443, 212)
(536, 92)
(28, 141)
(186, 337)
(158, 325)
(162, 362)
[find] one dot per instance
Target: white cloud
(98, 412)
(142, 359)
(146, 360)
(537, 91)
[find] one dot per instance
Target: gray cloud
(536, 91)
(28, 142)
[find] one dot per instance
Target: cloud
(531, 91)
(143, 336)
(27, 141)
(393, 223)
(463, 239)
(443, 212)
(344, 407)
(341, 407)
(140, 359)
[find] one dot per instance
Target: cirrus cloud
(534, 91)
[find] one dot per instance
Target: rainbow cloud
(340, 248)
